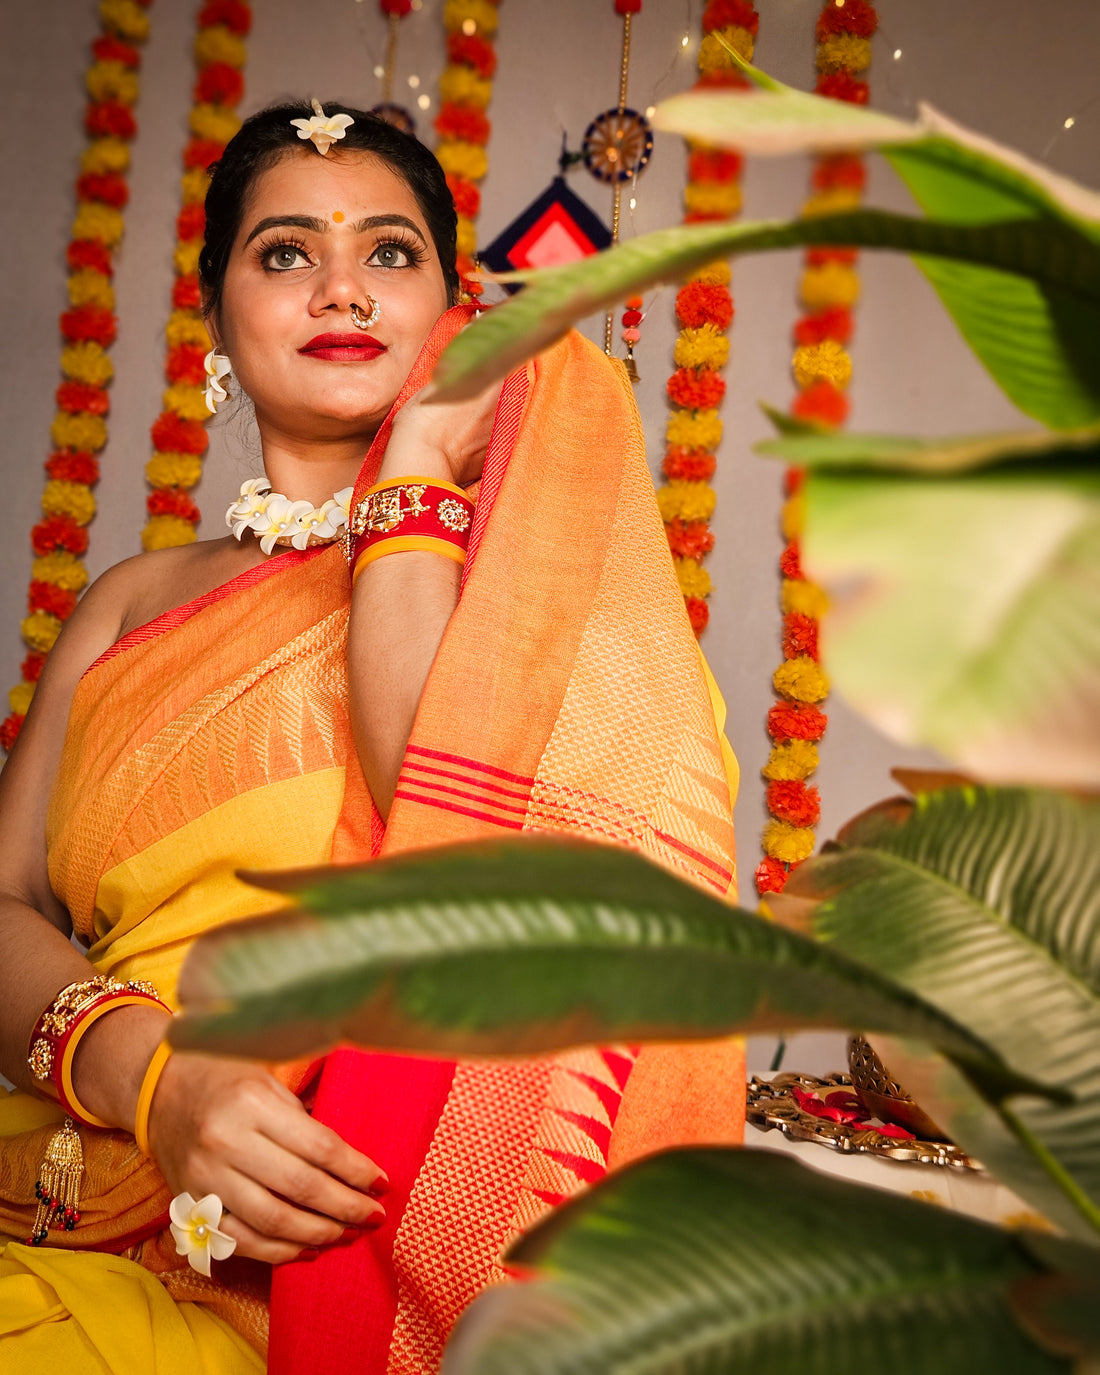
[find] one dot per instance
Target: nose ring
(359, 317)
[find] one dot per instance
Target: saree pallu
(567, 695)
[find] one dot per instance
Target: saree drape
(568, 695)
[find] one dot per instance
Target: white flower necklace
(278, 520)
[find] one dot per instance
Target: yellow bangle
(399, 544)
(69, 1100)
(145, 1096)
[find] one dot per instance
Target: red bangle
(409, 513)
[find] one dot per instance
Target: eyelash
(407, 244)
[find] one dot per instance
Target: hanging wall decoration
(88, 328)
(555, 229)
(704, 310)
(387, 109)
(179, 432)
(465, 89)
(822, 369)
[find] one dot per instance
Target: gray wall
(1012, 69)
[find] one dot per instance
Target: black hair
(266, 137)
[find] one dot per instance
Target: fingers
(311, 1140)
(273, 1250)
(280, 1223)
(302, 1184)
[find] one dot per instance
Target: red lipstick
(343, 348)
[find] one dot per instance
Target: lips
(343, 348)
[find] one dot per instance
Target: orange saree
(568, 694)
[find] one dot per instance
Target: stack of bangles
(63, 1025)
(404, 513)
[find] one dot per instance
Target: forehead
(305, 183)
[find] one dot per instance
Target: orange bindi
(338, 216)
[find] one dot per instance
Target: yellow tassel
(57, 1187)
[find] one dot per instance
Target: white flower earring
(216, 366)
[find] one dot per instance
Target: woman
(226, 709)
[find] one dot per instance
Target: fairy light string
(179, 432)
(465, 90)
(822, 368)
(704, 310)
(88, 329)
(627, 9)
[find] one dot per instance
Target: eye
(397, 253)
(281, 257)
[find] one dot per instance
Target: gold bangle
(67, 1092)
(145, 1096)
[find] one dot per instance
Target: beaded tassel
(57, 1187)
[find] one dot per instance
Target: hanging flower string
(822, 370)
(88, 327)
(704, 309)
(179, 432)
(465, 89)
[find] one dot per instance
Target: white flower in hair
(322, 129)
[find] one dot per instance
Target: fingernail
(376, 1219)
(348, 1234)
(310, 1253)
(380, 1186)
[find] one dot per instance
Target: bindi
(337, 217)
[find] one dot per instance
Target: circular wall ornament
(617, 145)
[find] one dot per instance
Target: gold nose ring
(359, 317)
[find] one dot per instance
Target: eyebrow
(317, 226)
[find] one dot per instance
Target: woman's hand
(288, 1183)
(445, 439)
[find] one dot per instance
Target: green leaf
(734, 1261)
(986, 902)
(965, 608)
(526, 946)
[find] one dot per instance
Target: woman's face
(319, 234)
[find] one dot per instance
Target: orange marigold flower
(727, 14)
(186, 294)
(470, 51)
(191, 222)
(689, 465)
(182, 436)
(463, 122)
(714, 164)
(107, 187)
(32, 667)
(793, 481)
(843, 86)
(236, 16)
(467, 197)
(73, 467)
(790, 561)
(108, 48)
(770, 876)
(47, 596)
(800, 635)
(88, 255)
(201, 152)
(185, 364)
(9, 731)
(818, 257)
(59, 532)
(840, 169)
(833, 323)
(792, 800)
(691, 539)
(698, 613)
(109, 119)
(696, 391)
(821, 401)
(796, 721)
(219, 84)
(723, 77)
(852, 16)
(91, 324)
(697, 303)
(82, 396)
(172, 501)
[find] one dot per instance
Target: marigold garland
(465, 90)
(79, 430)
(822, 369)
(704, 310)
(179, 433)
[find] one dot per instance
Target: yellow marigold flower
(87, 362)
(165, 532)
(214, 122)
(793, 516)
(827, 360)
(843, 52)
(801, 680)
(40, 630)
(463, 86)
(831, 284)
(96, 221)
(713, 274)
(126, 18)
(19, 698)
(713, 56)
(68, 499)
(686, 500)
(62, 569)
(185, 257)
(112, 81)
(712, 198)
(87, 288)
(806, 598)
(460, 159)
(483, 14)
(106, 155)
(790, 760)
(693, 578)
(194, 184)
(186, 401)
(467, 236)
(186, 327)
(831, 202)
(78, 430)
(694, 429)
(173, 470)
(705, 347)
(217, 44)
(790, 844)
